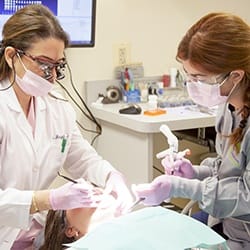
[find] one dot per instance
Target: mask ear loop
(233, 88)
(20, 59)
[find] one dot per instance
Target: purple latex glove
(155, 192)
(74, 195)
(167, 186)
(180, 167)
(117, 187)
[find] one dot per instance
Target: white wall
(153, 28)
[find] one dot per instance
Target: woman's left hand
(117, 187)
(180, 167)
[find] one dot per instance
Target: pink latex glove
(117, 187)
(180, 167)
(74, 195)
(155, 192)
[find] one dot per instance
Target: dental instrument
(66, 177)
(172, 142)
(135, 203)
(172, 151)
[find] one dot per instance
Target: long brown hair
(25, 27)
(220, 43)
(54, 234)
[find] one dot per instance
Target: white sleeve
(83, 161)
(15, 208)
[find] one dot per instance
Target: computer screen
(77, 17)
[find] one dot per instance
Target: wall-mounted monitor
(77, 17)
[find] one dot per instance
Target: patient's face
(78, 220)
(81, 220)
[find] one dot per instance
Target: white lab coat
(31, 163)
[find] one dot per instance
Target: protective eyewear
(47, 65)
(218, 79)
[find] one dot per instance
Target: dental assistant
(215, 54)
(39, 135)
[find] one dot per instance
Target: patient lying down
(66, 226)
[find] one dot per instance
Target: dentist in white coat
(38, 133)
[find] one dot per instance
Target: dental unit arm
(172, 151)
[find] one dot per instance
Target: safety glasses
(218, 79)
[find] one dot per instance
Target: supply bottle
(152, 102)
(173, 75)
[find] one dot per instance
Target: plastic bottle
(173, 75)
(152, 102)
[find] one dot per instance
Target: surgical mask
(206, 94)
(33, 84)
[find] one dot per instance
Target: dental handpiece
(181, 155)
(172, 151)
(172, 139)
(173, 157)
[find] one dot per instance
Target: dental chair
(188, 208)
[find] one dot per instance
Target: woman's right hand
(74, 195)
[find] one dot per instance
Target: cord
(156, 168)
(89, 114)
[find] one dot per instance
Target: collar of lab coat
(11, 99)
